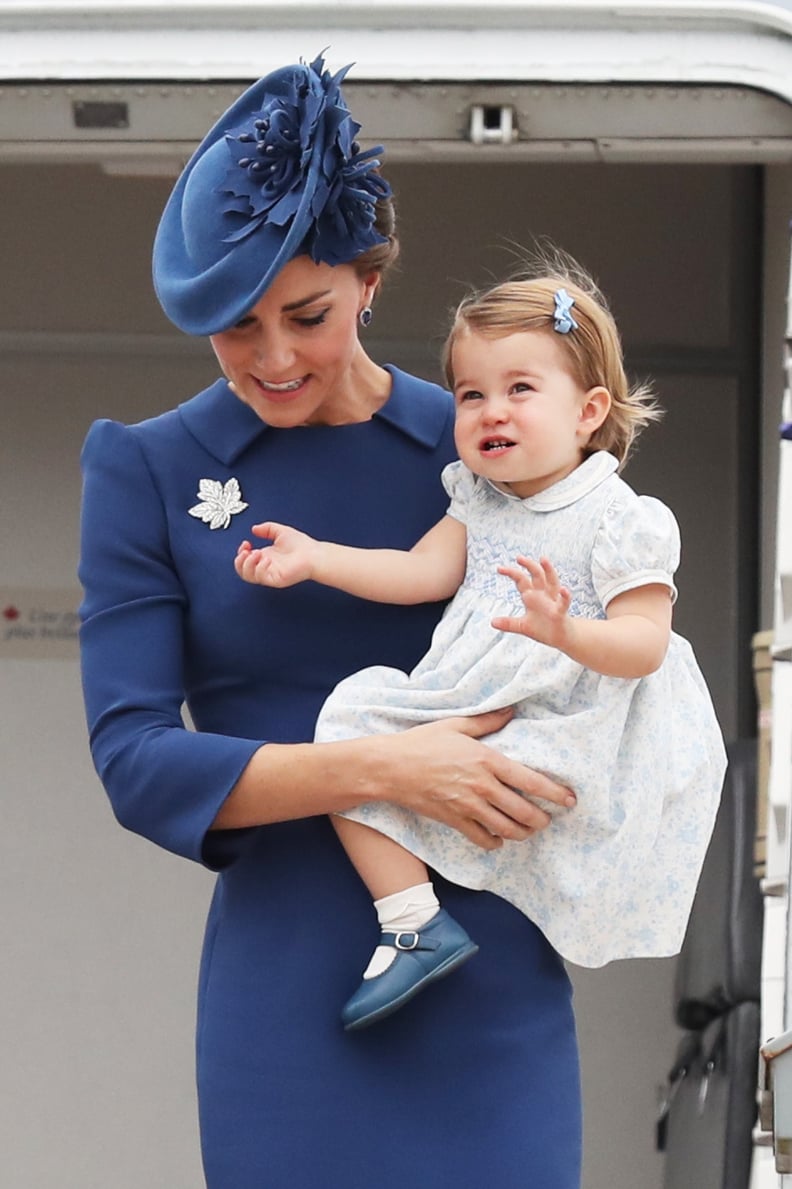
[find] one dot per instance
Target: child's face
(521, 418)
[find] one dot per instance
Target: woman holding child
(274, 243)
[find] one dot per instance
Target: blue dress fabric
(475, 1082)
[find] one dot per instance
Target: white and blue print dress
(615, 876)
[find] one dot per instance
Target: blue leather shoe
(434, 951)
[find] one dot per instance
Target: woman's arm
(631, 642)
(440, 770)
(188, 791)
(165, 782)
(432, 570)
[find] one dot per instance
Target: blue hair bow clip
(563, 321)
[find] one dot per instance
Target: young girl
(563, 585)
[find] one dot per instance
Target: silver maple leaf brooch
(219, 502)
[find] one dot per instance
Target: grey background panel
(101, 932)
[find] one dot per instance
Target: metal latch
(492, 124)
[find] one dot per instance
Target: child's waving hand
(545, 600)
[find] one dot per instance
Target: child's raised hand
(288, 560)
(545, 600)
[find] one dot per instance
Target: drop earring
(365, 316)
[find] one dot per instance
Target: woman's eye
(314, 320)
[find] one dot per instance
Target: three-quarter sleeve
(164, 781)
(637, 545)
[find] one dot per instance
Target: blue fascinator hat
(279, 175)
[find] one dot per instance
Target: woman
(273, 243)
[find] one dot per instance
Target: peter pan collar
(593, 471)
(226, 427)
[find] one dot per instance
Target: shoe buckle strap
(408, 939)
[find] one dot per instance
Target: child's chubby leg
(384, 865)
(398, 882)
(420, 942)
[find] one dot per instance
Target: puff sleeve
(459, 483)
(637, 544)
(164, 781)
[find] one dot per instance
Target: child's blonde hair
(593, 348)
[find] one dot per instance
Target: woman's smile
(285, 386)
(284, 392)
(308, 318)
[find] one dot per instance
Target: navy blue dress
(473, 1084)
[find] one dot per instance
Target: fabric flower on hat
(279, 175)
(308, 127)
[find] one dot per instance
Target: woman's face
(296, 358)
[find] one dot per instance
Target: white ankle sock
(401, 912)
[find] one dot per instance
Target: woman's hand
(288, 560)
(443, 771)
(440, 770)
(545, 602)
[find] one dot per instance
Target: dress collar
(226, 427)
(593, 471)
